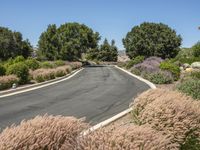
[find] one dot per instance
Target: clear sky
(111, 18)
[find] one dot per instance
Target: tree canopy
(152, 39)
(67, 42)
(106, 52)
(12, 44)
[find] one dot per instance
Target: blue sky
(111, 18)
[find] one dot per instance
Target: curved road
(96, 93)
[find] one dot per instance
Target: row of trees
(12, 44)
(71, 40)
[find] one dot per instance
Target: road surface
(96, 93)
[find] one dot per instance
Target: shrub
(135, 71)
(171, 113)
(44, 133)
(195, 75)
(18, 59)
(20, 70)
(196, 49)
(47, 65)
(75, 65)
(190, 87)
(59, 63)
(161, 77)
(7, 81)
(32, 64)
(2, 70)
(174, 69)
(149, 65)
(130, 137)
(60, 71)
(134, 61)
(41, 75)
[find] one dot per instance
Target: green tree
(67, 42)
(152, 39)
(107, 52)
(12, 44)
(49, 44)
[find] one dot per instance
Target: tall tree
(107, 52)
(12, 44)
(67, 42)
(152, 39)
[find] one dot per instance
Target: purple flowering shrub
(150, 70)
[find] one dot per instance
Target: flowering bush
(170, 113)
(7, 81)
(149, 65)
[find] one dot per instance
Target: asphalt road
(96, 93)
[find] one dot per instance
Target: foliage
(195, 75)
(43, 133)
(196, 49)
(75, 65)
(192, 143)
(20, 70)
(18, 59)
(2, 70)
(47, 64)
(149, 65)
(172, 113)
(67, 42)
(60, 71)
(106, 52)
(161, 77)
(32, 63)
(41, 75)
(191, 87)
(174, 69)
(134, 61)
(7, 81)
(151, 39)
(59, 63)
(12, 44)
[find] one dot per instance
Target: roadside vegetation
(161, 119)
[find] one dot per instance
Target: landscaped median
(20, 71)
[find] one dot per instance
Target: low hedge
(7, 81)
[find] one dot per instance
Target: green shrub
(32, 64)
(196, 49)
(191, 143)
(47, 65)
(134, 61)
(2, 70)
(136, 71)
(160, 78)
(174, 69)
(59, 63)
(188, 60)
(18, 59)
(190, 87)
(7, 81)
(195, 75)
(8, 63)
(20, 70)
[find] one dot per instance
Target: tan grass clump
(75, 65)
(43, 132)
(7, 81)
(130, 137)
(170, 112)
